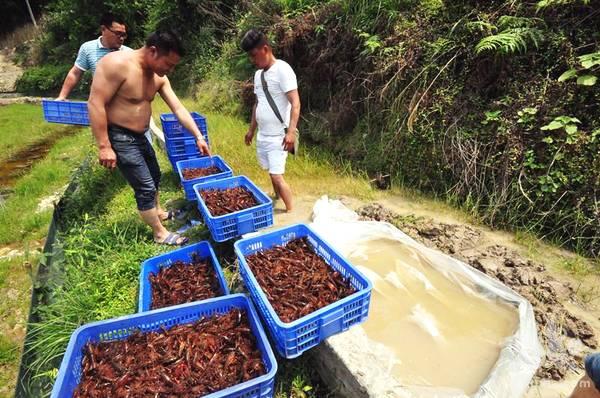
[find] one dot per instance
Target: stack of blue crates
(180, 143)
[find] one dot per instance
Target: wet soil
(19, 163)
(183, 283)
(184, 361)
(296, 280)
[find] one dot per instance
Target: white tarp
(519, 358)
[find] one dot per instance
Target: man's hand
(249, 136)
(107, 157)
(61, 99)
(203, 146)
(288, 140)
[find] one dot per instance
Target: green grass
(22, 226)
(20, 220)
(314, 172)
(104, 243)
(22, 125)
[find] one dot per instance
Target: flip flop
(171, 240)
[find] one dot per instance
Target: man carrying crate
(119, 106)
(275, 113)
(114, 33)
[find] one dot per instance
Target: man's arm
(108, 78)
(290, 137)
(253, 125)
(182, 114)
(73, 77)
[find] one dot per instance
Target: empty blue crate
(188, 185)
(241, 222)
(66, 112)
(173, 129)
(69, 374)
(153, 265)
(293, 338)
(183, 147)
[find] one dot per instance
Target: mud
(19, 163)
(565, 337)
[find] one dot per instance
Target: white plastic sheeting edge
(519, 358)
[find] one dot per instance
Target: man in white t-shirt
(276, 121)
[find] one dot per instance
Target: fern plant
(510, 41)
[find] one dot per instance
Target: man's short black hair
(166, 41)
(254, 39)
(108, 19)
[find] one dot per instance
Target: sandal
(172, 215)
(173, 238)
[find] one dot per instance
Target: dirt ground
(9, 73)
(564, 305)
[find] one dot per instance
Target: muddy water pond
(442, 333)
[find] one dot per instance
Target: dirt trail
(9, 73)
(568, 326)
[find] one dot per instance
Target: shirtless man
(123, 88)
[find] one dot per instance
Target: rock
(488, 266)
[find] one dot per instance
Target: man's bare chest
(139, 89)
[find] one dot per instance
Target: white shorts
(270, 153)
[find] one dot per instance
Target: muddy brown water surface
(185, 361)
(565, 336)
(184, 282)
(435, 327)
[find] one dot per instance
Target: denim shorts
(137, 162)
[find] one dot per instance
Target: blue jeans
(592, 368)
(137, 162)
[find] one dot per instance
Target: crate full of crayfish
(214, 348)
(190, 273)
(305, 291)
(195, 171)
(233, 206)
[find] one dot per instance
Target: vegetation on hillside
(493, 106)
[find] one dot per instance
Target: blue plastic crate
(173, 159)
(241, 222)
(186, 147)
(153, 265)
(69, 374)
(66, 112)
(173, 129)
(293, 338)
(188, 185)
